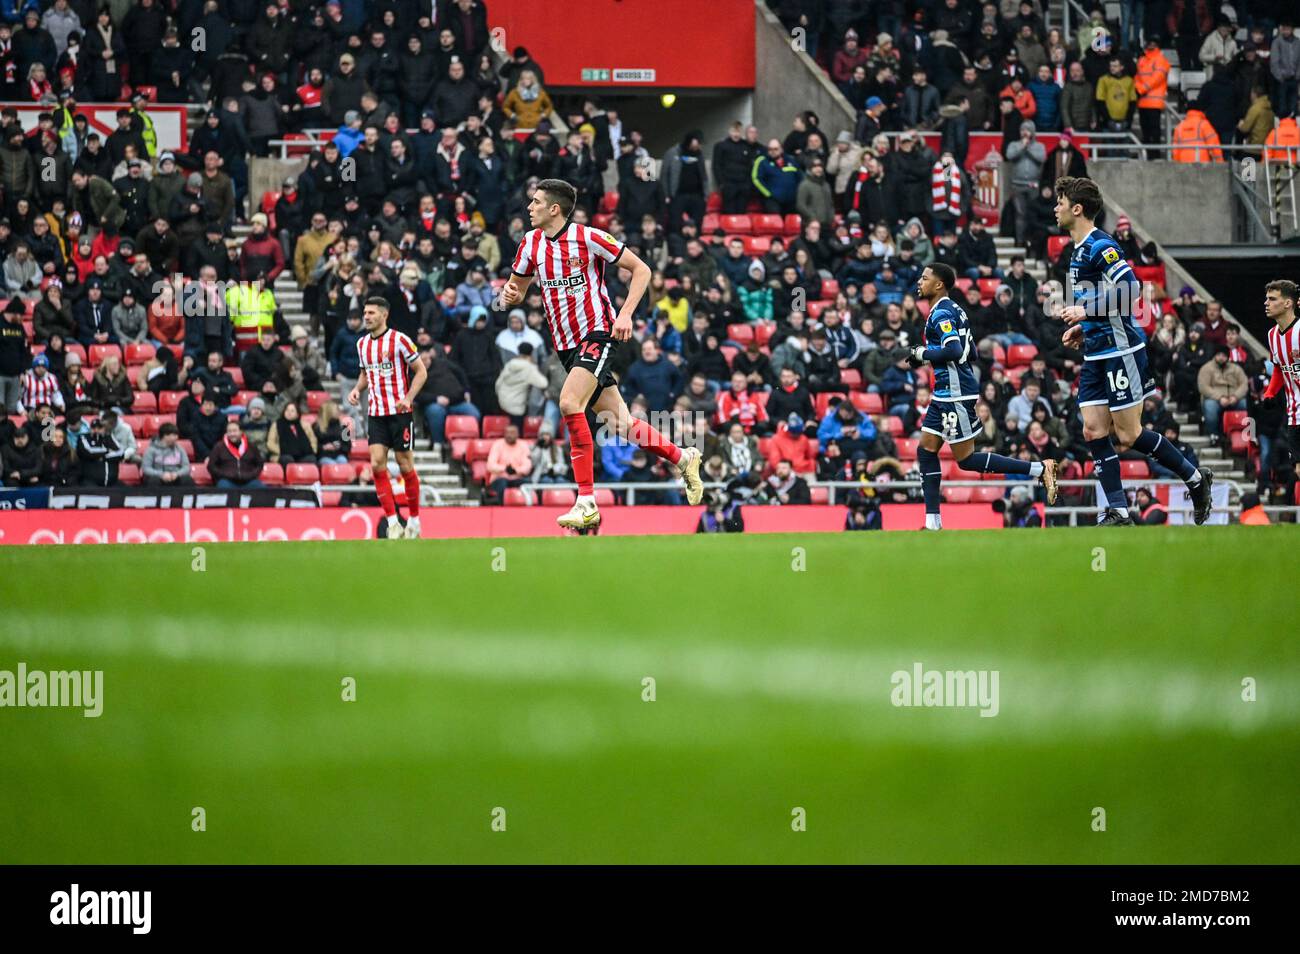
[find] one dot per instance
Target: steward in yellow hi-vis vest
(141, 123)
(251, 307)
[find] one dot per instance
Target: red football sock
(412, 481)
(580, 452)
(384, 488)
(643, 435)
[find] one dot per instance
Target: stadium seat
(906, 447)
(793, 225)
(894, 424)
(243, 397)
(815, 309)
(558, 498)
(822, 403)
(713, 204)
(460, 447)
(820, 496)
(331, 499)
(532, 427)
(987, 494)
(1134, 469)
(736, 224)
(867, 402)
(137, 423)
(179, 352)
(1239, 445)
(956, 495)
(360, 450)
(516, 497)
(301, 474)
(144, 402)
(729, 352)
(763, 331)
(601, 220)
(187, 446)
(76, 347)
(1055, 243)
(709, 226)
(272, 474)
(363, 472)
(494, 425)
(851, 378)
(101, 351)
(316, 400)
(199, 474)
(760, 398)
(461, 425)
(337, 474)
(1151, 274)
(830, 288)
(479, 449)
(1019, 356)
(923, 307)
(742, 334)
(88, 373)
(605, 497)
(963, 284)
(478, 472)
(1234, 421)
(292, 152)
(989, 287)
(757, 246)
(152, 422)
(129, 474)
(139, 353)
(768, 224)
(609, 202)
(269, 199)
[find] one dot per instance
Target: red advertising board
(340, 523)
(679, 44)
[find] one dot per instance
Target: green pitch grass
(513, 679)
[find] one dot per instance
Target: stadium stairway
(435, 474)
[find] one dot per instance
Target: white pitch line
(1070, 697)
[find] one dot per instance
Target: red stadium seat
(243, 397)
(337, 474)
(139, 353)
(1054, 245)
(822, 403)
(130, 475)
(316, 400)
(187, 446)
(987, 494)
(88, 373)
(736, 224)
(148, 92)
(906, 447)
(867, 402)
(713, 203)
(963, 284)
(516, 497)
(461, 425)
(360, 450)
(1019, 356)
(301, 474)
(851, 379)
(269, 199)
(363, 471)
(1240, 447)
(763, 331)
(137, 423)
(757, 246)
(958, 494)
(75, 347)
(99, 352)
(609, 202)
(1151, 274)
(767, 224)
(989, 287)
(894, 424)
(604, 497)
(601, 220)
(729, 352)
(1134, 469)
(144, 402)
(1234, 421)
(830, 288)
(199, 474)
(460, 447)
(709, 226)
(291, 152)
(760, 398)
(478, 471)
(532, 427)
(820, 496)
(494, 425)
(740, 333)
(479, 449)
(793, 225)
(558, 498)
(152, 422)
(815, 309)
(236, 374)
(272, 474)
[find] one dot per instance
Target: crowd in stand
(419, 194)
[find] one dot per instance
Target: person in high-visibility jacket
(1195, 139)
(251, 306)
(1152, 85)
(141, 123)
(1287, 133)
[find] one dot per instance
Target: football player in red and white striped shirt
(568, 261)
(1284, 350)
(385, 356)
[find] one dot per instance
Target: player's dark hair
(945, 273)
(561, 193)
(380, 303)
(1080, 191)
(1287, 289)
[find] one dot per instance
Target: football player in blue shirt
(951, 416)
(1115, 378)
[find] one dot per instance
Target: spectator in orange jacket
(1152, 85)
(1020, 97)
(1192, 137)
(792, 444)
(1285, 134)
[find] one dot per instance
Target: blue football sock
(931, 474)
(1166, 454)
(1107, 461)
(998, 464)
